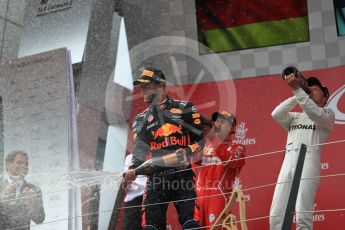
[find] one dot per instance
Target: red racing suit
(221, 165)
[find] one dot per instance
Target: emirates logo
(241, 131)
(240, 134)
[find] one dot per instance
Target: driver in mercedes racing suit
(171, 131)
(311, 128)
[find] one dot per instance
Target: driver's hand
(128, 177)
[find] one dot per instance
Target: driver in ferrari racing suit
(166, 128)
(310, 128)
(221, 162)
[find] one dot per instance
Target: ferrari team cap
(228, 116)
(314, 81)
(148, 75)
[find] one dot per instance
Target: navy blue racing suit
(160, 130)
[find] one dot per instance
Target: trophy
(302, 80)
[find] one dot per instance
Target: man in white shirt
(132, 216)
(311, 128)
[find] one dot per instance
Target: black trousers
(132, 216)
(171, 187)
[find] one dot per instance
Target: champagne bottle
(302, 80)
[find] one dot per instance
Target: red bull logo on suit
(166, 131)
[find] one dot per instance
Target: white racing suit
(310, 128)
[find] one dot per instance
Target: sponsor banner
(52, 24)
(256, 99)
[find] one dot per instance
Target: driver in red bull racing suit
(166, 128)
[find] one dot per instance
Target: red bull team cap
(149, 75)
